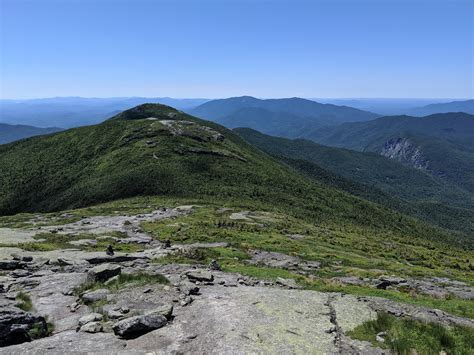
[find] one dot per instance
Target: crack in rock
(333, 319)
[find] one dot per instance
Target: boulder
(92, 327)
(386, 281)
(188, 288)
(15, 324)
(165, 310)
(102, 273)
(201, 276)
(94, 296)
(114, 314)
(18, 257)
(134, 327)
(10, 264)
(214, 265)
(92, 317)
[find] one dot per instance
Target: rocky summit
(158, 294)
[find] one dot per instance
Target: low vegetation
(407, 336)
(38, 330)
(24, 301)
(341, 253)
(123, 280)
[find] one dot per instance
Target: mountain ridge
(157, 150)
(10, 133)
(307, 110)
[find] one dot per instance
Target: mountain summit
(157, 150)
(290, 117)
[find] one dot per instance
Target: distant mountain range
(454, 106)
(286, 117)
(10, 133)
(279, 115)
(403, 106)
(77, 111)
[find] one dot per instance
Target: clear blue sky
(203, 48)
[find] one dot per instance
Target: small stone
(67, 292)
(92, 317)
(148, 290)
(380, 337)
(186, 300)
(187, 288)
(91, 327)
(214, 265)
(113, 314)
(110, 250)
(74, 306)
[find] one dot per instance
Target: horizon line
(228, 97)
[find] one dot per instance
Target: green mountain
(441, 145)
(287, 117)
(282, 124)
(11, 133)
(466, 106)
(375, 178)
(157, 150)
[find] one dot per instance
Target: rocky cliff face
(406, 152)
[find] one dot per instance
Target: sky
(222, 48)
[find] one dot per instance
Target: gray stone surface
(16, 236)
(198, 311)
(96, 295)
(103, 272)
